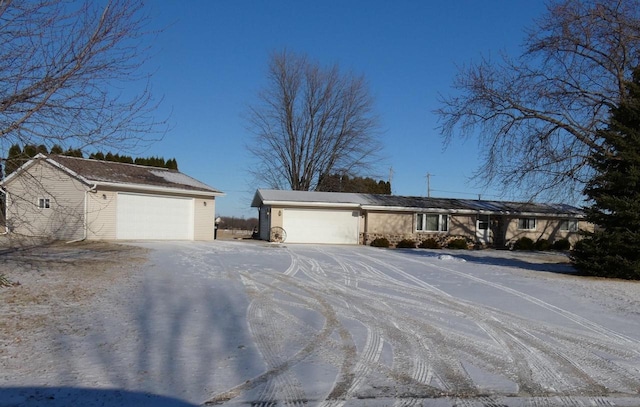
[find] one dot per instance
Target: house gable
(62, 215)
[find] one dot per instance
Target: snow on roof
(270, 197)
(277, 195)
(122, 173)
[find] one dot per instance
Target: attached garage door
(154, 217)
(321, 226)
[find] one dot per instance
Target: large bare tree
(537, 115)
(71, 74)
(310, 122)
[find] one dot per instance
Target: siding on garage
(101, 214)
(204, 219)
(65, 217)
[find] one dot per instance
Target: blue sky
(210, 61)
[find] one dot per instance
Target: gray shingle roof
(368, 201)
(131, 174)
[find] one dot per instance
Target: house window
(44, 203)
(569, 225)
(427, 222)
(527, 223)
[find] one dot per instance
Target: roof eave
(311, 204)
(151, 188)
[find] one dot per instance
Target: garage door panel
(154, 217)
(321, 226)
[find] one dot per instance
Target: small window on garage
(44, 203)
(431, 222)
(527, 224)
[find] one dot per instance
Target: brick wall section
(442, 238)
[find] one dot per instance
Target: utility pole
(428, 185)
(391, 179)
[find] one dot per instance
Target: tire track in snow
(567, 369)
(314, 302)
(447, 362)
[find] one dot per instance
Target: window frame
(44, 203)
(421, 222)
(571, 225)
(523, 223)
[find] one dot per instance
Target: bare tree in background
(311, 122)
(537, 116)
(70, 74)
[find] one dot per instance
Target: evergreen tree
(30, 150)
(344, 183)
(172, 164)
(613, 249)
(42, 149)
(56, 149)
(71, 152)
(15, 159)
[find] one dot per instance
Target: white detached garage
(308, 217)
(74, 198)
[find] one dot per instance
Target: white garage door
(154, 217)
(321, 226)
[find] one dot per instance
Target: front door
(483, 231)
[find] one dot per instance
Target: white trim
(311, 204)
(150, 188)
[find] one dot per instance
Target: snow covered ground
(248, 323)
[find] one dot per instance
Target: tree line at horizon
(17, 156)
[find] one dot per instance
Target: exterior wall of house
(276, 216)
(63, 220)
(102, 209)
(546, 228)
(462, 225)
(101, 214)
(396, 226)
(269, 217)
(204, 218)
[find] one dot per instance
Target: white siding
(101, 214)
(63, 220)
(204, 218)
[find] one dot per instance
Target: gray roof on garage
(97, 171)
(370, 201)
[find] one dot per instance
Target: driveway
(239, 323)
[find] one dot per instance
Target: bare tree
(537, 116)
(310, 122)
(70, 74)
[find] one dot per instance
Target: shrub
(430, 243)
(562, 245)
(459, 243)
(380, 242)
(406, 244)
(542, 245)
(524, 243)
